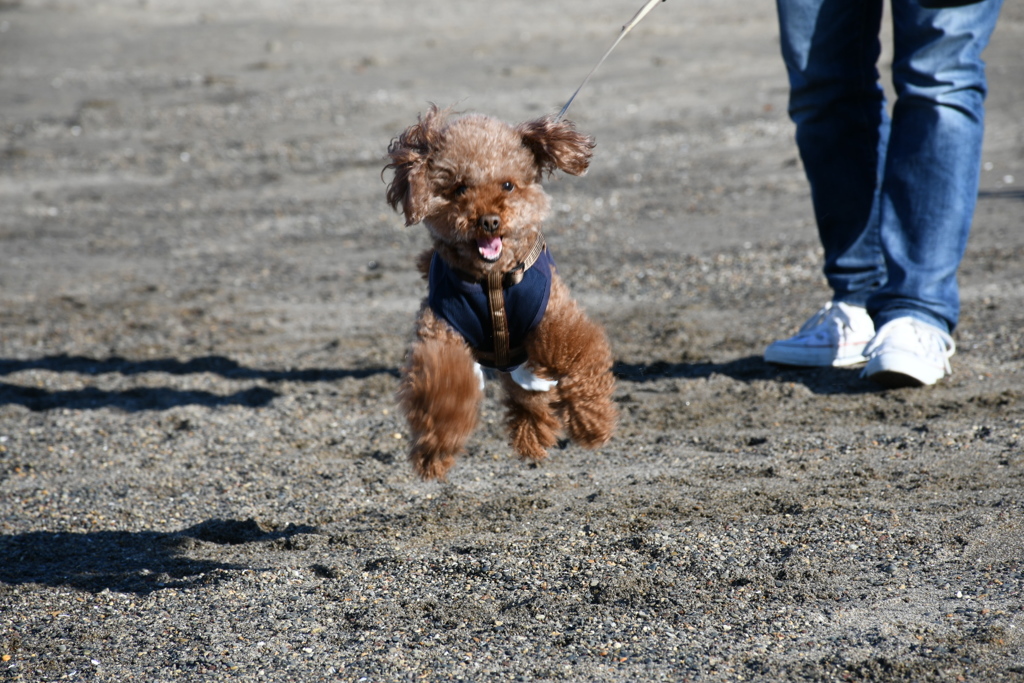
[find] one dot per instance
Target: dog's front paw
(431, 465)
(588, 410)
(440, 396)
(533, 429)
(529, 443)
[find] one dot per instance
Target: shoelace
(827, 312)
(927, 335)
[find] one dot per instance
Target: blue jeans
(893, 196)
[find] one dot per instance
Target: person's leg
(830, 48)
(929, 188)
(933, 160)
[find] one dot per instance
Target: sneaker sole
(802, 358)
(890, 379)
(896, 370)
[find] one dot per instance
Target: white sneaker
(834, 336)
(907, 352)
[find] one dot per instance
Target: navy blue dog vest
(464, 305)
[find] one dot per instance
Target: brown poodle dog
(495, 298)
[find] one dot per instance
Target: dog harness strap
(515, 276)
(496, 283)
(499, 323)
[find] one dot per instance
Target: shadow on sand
(750, 369)
(127, 562)
(156, 398)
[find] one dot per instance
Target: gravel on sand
(204, 303)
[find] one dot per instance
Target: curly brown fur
(574, 348)
(474, 182)
(440, 395)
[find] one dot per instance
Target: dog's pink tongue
(490, 247)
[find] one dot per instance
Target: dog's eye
(508, 186)
(460, 190)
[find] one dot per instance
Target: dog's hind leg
(440, 394)
(532, 424)
(573, 349)
(587, 408)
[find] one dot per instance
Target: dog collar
(511, 277)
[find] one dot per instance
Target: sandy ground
(204, 300)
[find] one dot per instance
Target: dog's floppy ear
(409, 153)
(556, 144)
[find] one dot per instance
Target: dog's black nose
(491, 222)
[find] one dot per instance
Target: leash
(496, 282)
(648, 6)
